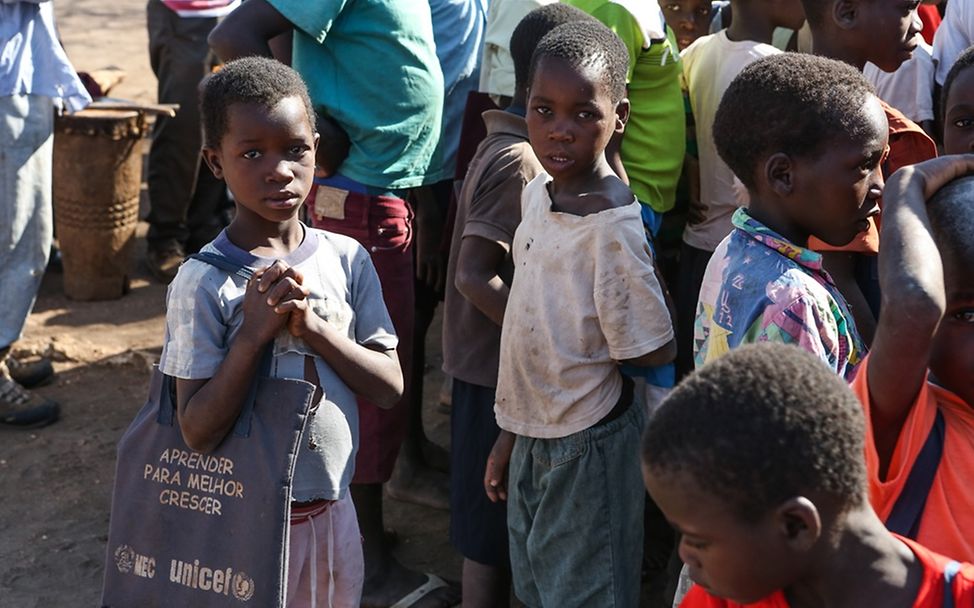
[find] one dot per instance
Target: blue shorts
(575, 515)
(478, 527)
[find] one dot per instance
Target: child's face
(729, 557)
(959, 114)
(952, 357)
(889, 31)
(834, 193)
(570, 119)
(690, 19)
(267, 157)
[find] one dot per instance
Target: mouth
(559, 161)
(283, 200)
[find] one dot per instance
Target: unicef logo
(124, 558)
(243, 587)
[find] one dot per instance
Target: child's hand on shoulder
(266, 291)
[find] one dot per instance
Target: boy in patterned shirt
(805, 135)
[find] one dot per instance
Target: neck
(587, 193)
(750, 24)
(861, 564)
(829, 46)
(263, 238)
(771, 216)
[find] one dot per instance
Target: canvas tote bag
(202, 530)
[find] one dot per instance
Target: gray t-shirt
(205, 312)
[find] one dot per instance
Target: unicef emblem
(243, 587)
(124, 558)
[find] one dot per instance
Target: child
(805, 135)
(768, 488)
(884, 33)
(689, 19)
(584, 298)
(478, 281)
(709, 66)
(917, 384)
(319, 304)
(649, 155)
(958, 105)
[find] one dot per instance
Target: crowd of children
(817, 448)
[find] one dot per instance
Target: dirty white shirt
(584, 297)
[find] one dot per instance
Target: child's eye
(543, 110)
(298, 150)
(695, 543)
(586, 115)
(964, 123)
(251, 154)
(965, 316)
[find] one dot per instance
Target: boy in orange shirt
(768, 488)
(917, 384)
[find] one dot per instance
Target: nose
(688, 557)
(281, 172)
(687, 24)
(877, 183)
(916, 25)
(561, 130)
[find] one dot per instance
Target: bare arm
(371, 373)
(248, 30)
(209, 408)
(478, 277)
(911, 278)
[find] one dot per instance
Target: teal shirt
(371, 65)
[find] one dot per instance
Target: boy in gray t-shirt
(314, 298)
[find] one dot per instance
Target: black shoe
(21, 408)
(30, 374)
(163, 261)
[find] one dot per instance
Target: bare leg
(485, 586)
(386, 580)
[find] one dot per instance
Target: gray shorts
(575, 516)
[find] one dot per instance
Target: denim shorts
(575, 516)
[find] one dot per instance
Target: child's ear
(845, 13)
(799, 523)
(779, 173)
(622, 115)
(314, 146)
(212, 157)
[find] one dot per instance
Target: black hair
(963, 62)
(792, 103)
(256, 80)
(532, 29)
(587, 44)
(951, 212)
(762, 424)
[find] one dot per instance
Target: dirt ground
(56, 482)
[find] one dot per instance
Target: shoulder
(196, 278)
(338, 247)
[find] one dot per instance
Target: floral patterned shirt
(760, 287)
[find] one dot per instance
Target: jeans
(575, 516)
(26, 217)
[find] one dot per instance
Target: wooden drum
(97, 178)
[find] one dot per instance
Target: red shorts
(384, 226)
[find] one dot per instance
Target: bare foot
(419, 485)
(396, 582)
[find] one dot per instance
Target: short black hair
(951, 212)
(762, 424)
(256, 80)
(532, 28)
(587, 44)
(792, 103)
(963, 62)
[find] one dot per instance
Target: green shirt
(371, 65)
(654, 143)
